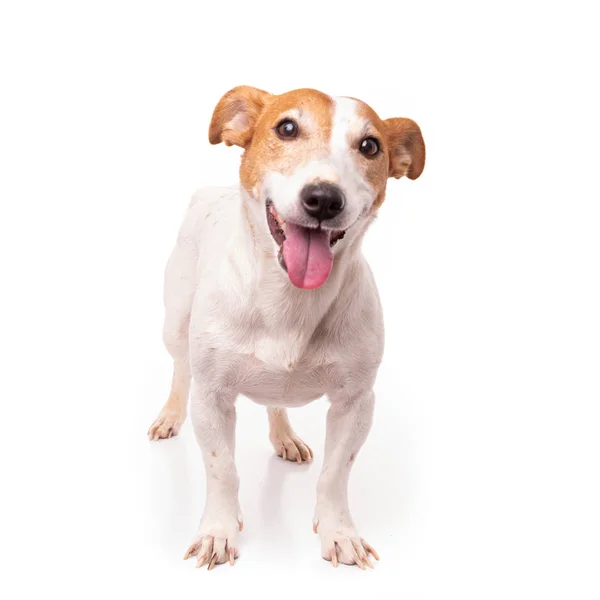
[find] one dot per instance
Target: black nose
(322, 200)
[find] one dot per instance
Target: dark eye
(287, 129)
(369, 146)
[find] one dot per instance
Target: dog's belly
(278, 387)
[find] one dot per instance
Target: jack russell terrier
(267, 294)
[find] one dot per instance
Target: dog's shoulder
(207, 209)
(211, 201)
(210, 194)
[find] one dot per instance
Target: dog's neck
(290, 315)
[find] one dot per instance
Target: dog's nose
(322, 200)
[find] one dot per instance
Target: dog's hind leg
(285, 441)
(180, 285)
(173, 413)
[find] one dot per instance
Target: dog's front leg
(213, 418)
(348, 422)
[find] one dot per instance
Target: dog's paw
(166, 425)
(215, 545)
(290, 447)
(343, 545)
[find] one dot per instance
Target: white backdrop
(481, 475)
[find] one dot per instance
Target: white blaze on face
(345, 120)
(347, 131)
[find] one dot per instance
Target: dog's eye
(287, 129)
(369, 146)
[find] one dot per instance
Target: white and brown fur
(235, 324)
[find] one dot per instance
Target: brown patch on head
(375, 169)
(213, 453)
(248, 118)
(311, 110)
(402, 150)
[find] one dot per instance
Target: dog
(267, 294)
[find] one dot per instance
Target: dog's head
(319, 166)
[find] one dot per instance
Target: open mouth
(304, 253)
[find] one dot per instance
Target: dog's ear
(407, 148)
(235, 116)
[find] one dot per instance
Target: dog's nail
(213, 561)
(370, 549)
(201, 561)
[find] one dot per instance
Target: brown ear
(407, 148)
(235, 116)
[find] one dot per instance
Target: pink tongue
(307, 256)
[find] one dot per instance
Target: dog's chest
(278, 364)
(300, 383)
